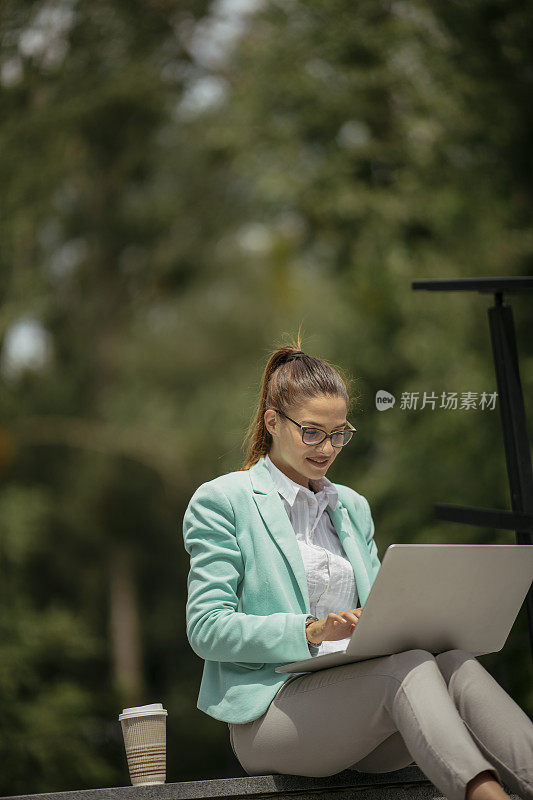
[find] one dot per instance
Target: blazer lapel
(279, 526)
(343, 526)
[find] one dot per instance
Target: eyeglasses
(317, 435)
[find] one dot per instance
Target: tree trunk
(124, 625)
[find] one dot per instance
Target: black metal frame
(512, 414)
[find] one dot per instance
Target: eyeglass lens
(338, 439)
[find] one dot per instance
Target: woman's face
(289, 453)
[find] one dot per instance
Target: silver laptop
(437, 597)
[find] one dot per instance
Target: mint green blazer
(247, 597)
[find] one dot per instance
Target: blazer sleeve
(215, 629)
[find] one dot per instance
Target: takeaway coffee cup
(145, 739)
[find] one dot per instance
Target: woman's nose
(327, 449)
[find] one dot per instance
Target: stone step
(409, 783)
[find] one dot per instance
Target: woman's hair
(287, 384)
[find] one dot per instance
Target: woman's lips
(317, 463)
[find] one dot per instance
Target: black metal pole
(512, 413)
(514, 425)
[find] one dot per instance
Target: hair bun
(293, 355)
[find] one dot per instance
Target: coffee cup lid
(142, 711)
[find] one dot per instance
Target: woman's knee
(454, 655)
(412, 658)
(399, 665)
(450, 660)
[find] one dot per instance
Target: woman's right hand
(336, 626)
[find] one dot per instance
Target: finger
(351, 618)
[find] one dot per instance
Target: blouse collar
(289, 489)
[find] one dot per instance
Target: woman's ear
(270, 420)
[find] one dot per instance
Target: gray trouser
(445, 712)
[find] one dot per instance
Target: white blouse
(330, 576)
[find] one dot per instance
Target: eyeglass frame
(314, 428)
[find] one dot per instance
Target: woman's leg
(388, 756)
(499, 727)
(328, 720)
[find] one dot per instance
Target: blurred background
(185, 186)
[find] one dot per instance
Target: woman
(274, 548)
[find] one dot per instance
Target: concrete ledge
(409, 783)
